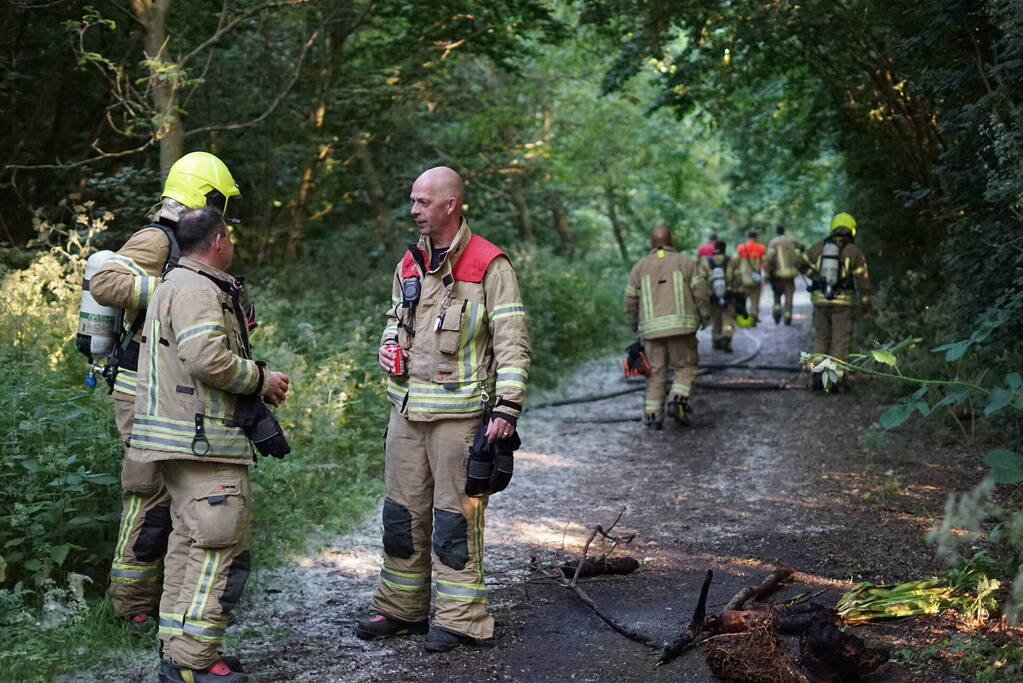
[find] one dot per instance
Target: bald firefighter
(199, 407)
(838, 273)
(128, 281)
(457, 352)
(781, 265)
(726, 294)
(666, 302)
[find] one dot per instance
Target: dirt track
(761, 479)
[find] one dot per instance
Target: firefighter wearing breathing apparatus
(200, 416)
(838, 272)
(727, 298)
(666, 302)
(781, 264)
(126, 281)
(457, 352)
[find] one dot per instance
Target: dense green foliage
(577, 126)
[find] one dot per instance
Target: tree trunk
(375, 195)
(559, 220)
(152, 14)
(616, 224)
(517, 196)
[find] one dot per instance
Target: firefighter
(751, 265)
(127, 281)
(706, 249)
(457, 352)
(194, 374)
(781, 262)
(838, 272)
(666, 302)
(726, 294)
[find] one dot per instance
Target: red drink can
(394, 351)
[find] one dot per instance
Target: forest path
(761, 479)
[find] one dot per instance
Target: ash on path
(761, 479)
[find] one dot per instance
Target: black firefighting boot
(680, 409)
(816, 382)
(653, 420)
(232, 662)
(219, 672)
(726, 344)
(440, 639)
(788, 318)
(776, 312)
(383, 626)
(756, 319)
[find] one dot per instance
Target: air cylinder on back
(97, 325)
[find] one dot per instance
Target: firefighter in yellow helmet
(838, 272)
(666, 302)
(127, 281)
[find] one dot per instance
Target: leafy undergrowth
(59, 466)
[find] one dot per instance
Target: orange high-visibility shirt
(751, 249)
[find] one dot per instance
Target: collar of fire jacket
(454, 251)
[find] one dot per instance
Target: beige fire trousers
(783, 289)
(207, 560)
(753, 294)
(723, 321)
(431, 528)
(678, 354)
(832, 330)
(144, 528)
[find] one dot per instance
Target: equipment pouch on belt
(490, 462)
(261, 426)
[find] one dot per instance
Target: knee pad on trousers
(151, 543)
(397, 530)
(237, 575)
(451, 538)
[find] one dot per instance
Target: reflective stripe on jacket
(852, 269)
(470, 346)
(666, 295)
(192, 368)
(782, 257)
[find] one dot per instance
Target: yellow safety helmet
(744, 320)
(200, 179)
(844, 220)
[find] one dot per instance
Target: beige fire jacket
(467, 341)
(666, 295)
(782, 259)
(128, 281)
(853, 276)
(193, 366)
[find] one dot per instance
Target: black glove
(490, 462)
(261, 426)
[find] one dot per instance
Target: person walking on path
(751, 265)
(781, 264)
(722, 273)
(456, 349)
(666, 302)
(706, 250)
(196, 381)
(838, 271)
(127, 281)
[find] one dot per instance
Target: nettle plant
(967, 514)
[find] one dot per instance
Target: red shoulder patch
(477, 256)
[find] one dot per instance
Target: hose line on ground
(621, 392)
